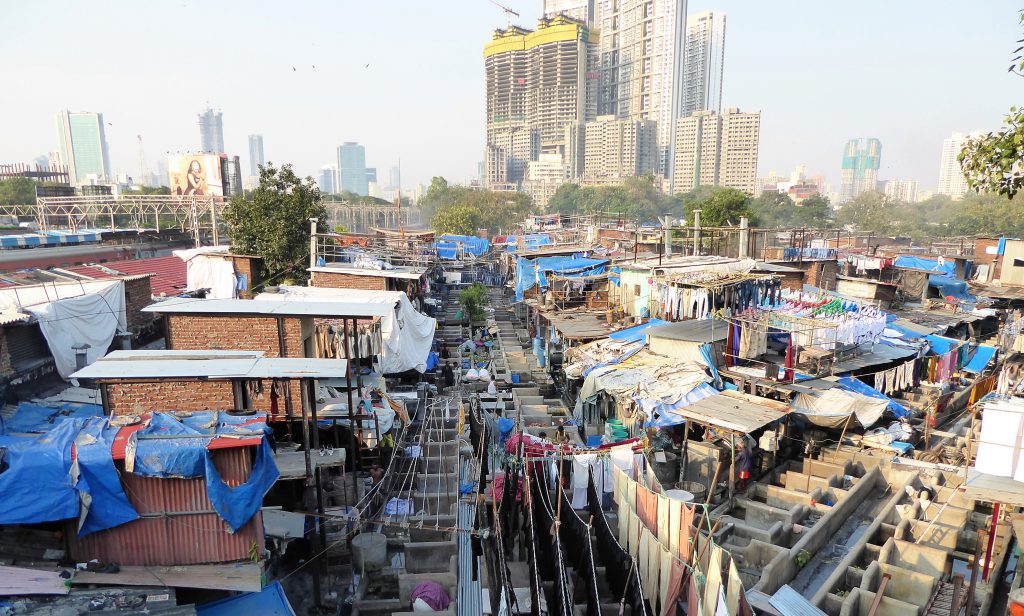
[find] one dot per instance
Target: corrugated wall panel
(199, 536)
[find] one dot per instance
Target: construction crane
(508, 12)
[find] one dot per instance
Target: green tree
(774, 209)
(995, 161)
(17, 191)
(457, 220)
(869, 211)
(273, 223)
(719, 207)
(473, 299)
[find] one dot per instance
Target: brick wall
(202, 333)
(821, 274)
(337, 280)
(252, 269)
(133, 398)
(138, 293)
(5, 356)
(793, 281)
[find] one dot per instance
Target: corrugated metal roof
(399, 271)
(694, 330)
(168, 273)
(791, 603)
(178, 525)
(10, 318)
(214, 365)
(871, 356)
(734, 411)
(270, 308)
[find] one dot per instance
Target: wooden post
(841, 437)
(969, 602)
(954, 605)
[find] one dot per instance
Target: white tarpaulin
(206, 268)
(70, 315)
(407, 333)
(832, 407)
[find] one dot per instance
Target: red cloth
(675, 588)
(647, 508)
(686, 523)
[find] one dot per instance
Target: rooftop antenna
(508, 12)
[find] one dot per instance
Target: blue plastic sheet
(531, 272)
(31, 418)
(108, 506)
(950, 287)
(37, 485)
(922, 263)
(528, 242)
(271, 601)
(981, 358)
(664, 412)
(635, 333)
(940, 345)
(164, 450)
(475, 246)
(859, 387)
(617, 360)
(237, 505)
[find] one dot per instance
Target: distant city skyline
(883, 88)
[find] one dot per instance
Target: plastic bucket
(369, 549)
(515, 378)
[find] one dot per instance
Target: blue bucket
(515, 378)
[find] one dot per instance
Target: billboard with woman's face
(196, 175)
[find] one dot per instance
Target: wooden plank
(19, 581)
(241, 577)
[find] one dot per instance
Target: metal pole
(353, 445)
(312, 241)
(969, 602)
(213, 221)
(991, 542)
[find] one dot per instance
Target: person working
(744, 464)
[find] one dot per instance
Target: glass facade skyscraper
(861, 160)
(255, 154)
(352, 168)
(211, 131)
(83, 146)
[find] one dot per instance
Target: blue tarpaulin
(236, 505)
(949, 286)
(859, 387)
(929, 265)
(37, 485)
(531, 241)
(663, 415)
(981, 358)
(637, 332)
(617, 360)
(940, 345)
(107, 505)
(164, 449)
(475, 246)
(271, 601)
(531, 272)
(31, 418)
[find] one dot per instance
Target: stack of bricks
(135, 398)
(338, 280)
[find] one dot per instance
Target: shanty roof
(399, 271)
(216, 365)
(168, 273)
(996, 291)
(734, 411)
(270, 308)
(694, 330)
(872, 355)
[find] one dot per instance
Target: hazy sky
(405, 77)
